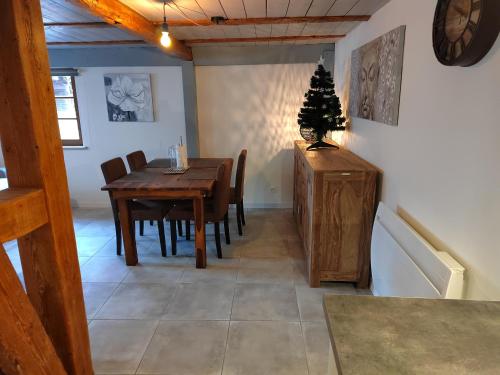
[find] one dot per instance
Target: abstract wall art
(376, 70)
(128, 97)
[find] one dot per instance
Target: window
(67, 110)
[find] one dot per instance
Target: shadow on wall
(254, 107)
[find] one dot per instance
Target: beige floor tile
(217, 270)
(95, 295)
(310, 300)
(98, 228)
(15, 260)
(104, 269)
(266, 271)
(269, 248)
(317, 341)
(265, 348)
(201, 301)
(186, 348)
(83, 260)
(154, 274)
(89, 246)
(118, 345)
(137, 301)
(265, 302)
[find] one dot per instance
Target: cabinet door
(341, 224)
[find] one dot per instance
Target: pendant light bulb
(165, 37)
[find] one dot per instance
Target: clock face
(464, 30)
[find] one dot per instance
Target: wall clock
(465, 30)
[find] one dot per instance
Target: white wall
(254, 107)
(441, 163)
(105, 140)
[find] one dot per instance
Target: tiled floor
(249, 313)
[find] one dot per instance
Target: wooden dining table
(152, 183)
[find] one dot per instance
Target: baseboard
(94, 204)
(89, 205)
(269, 205)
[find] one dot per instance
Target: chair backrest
(136, 160)
(240, 175)
(222, 189)
(112, 170)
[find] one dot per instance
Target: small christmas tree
(322, 111)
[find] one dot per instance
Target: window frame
(71, 142)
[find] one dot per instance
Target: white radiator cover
(405, 265)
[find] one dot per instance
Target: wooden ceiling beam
(117, 14)
(269, 20)
(94, 43)
(263, 39)
(227, 22)
(83, 25)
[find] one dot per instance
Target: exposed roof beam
(84, 25)
(202, 41)
(269, 20)
(95, 43)
(264, 39)
(228, 22)
(116, 13)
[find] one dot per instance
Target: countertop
(385, 335)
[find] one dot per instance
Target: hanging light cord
(180, 12)
(164, 14)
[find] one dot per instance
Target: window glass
(67, 110)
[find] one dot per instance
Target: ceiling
(91, 30)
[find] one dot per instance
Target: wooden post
(34, 158)
(22, 336)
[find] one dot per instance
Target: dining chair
(139, 210)
(215, 208)
(236, 192)
(137, 160)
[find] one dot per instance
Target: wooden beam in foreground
(227, 22)
(25, 348)
(33, 155)
(117, 14)
(21, 211)
(264, 39)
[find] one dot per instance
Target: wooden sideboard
(334, 206)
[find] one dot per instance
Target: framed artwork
(129, 97)
(376, 70)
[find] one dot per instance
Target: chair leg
(141, 228)
(151, 223)
(238, 219)
(188, 230)
(179, 227)
(161, 233)
(217, 239)
(242, 214)
(226, 229)
(173, 237)
(118, 238)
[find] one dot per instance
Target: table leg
(199, 232)
(128, 240)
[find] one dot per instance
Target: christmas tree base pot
(320, 145)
